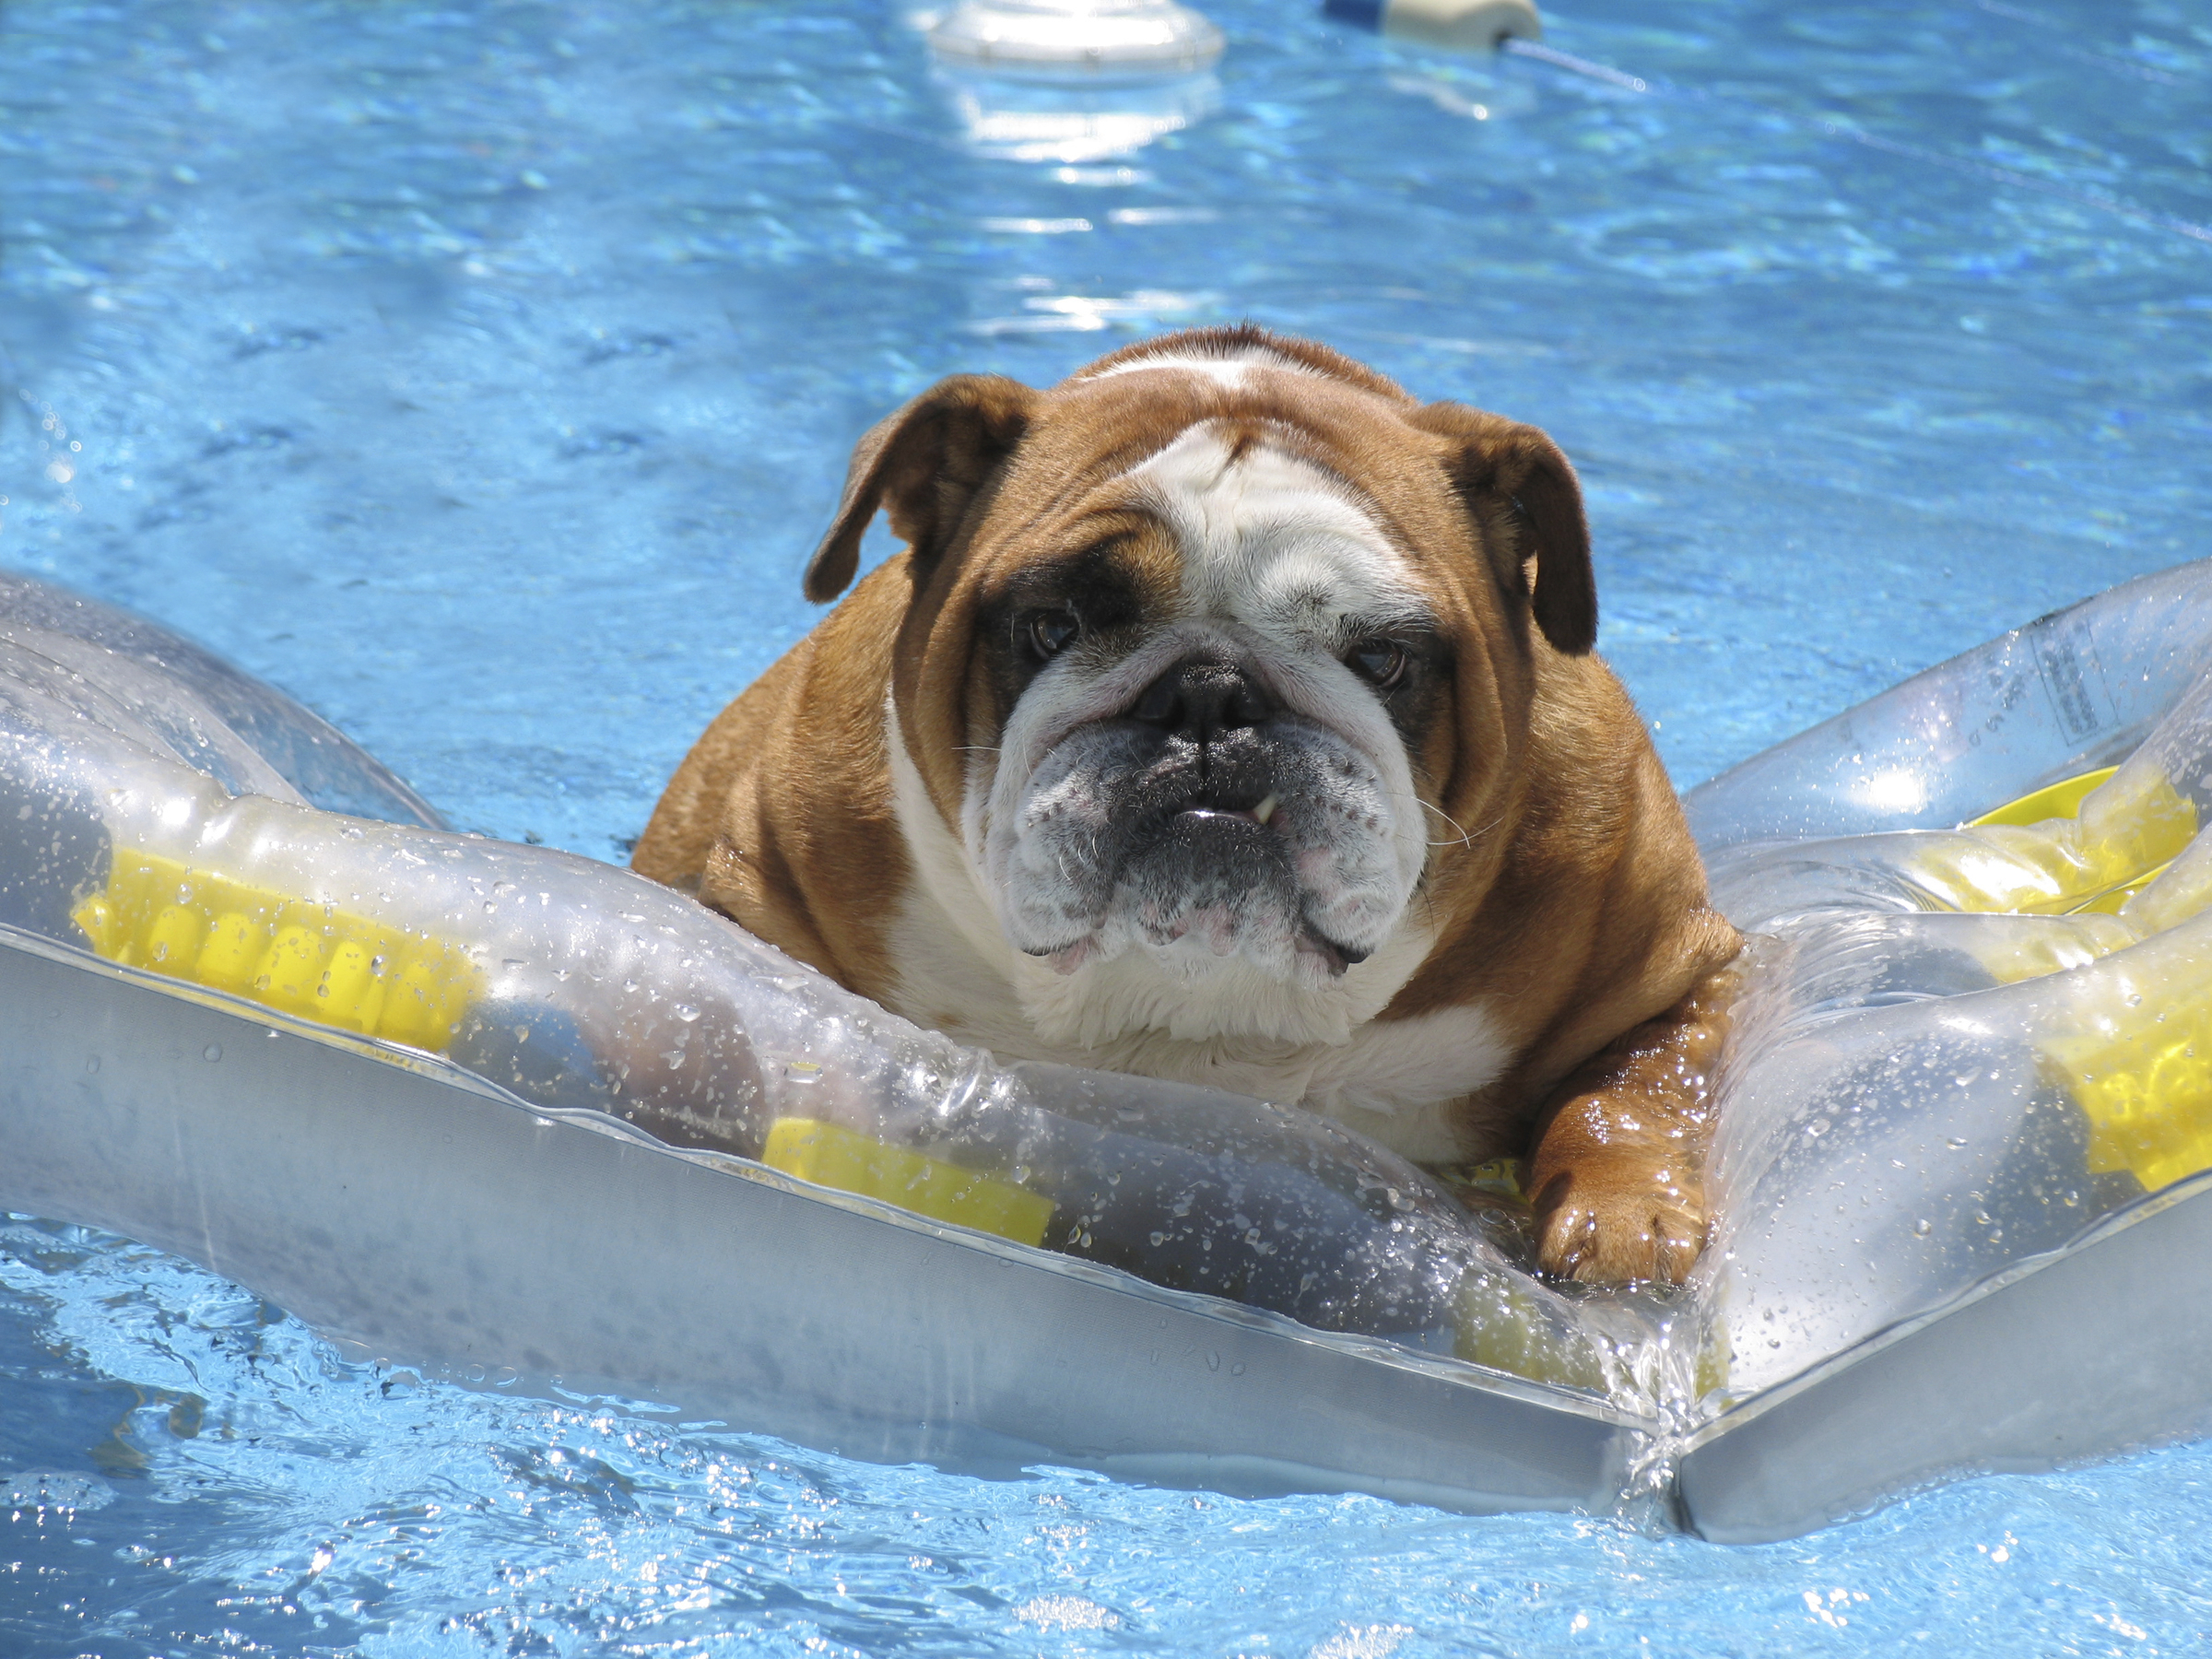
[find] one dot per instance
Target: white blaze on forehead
(1231, 370)
(1273, 541)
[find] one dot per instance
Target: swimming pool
(482, 375)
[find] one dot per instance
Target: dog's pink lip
(1067, 959)
(1066, 962)
(1334, 957)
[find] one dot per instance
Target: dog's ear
(924, 464)
(1524, 500)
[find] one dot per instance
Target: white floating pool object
(1457, 25)
(510, 1112)
(1075, 124)
(1077, 40)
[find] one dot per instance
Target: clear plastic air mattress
(533, 1120)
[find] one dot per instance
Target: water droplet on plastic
(685, 1012)
(1816, 1128)
(1923, 1228)
(92, 1064)
(1957, 1143)
(211, 1052)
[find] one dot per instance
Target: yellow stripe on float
(834, 1157)
(300, 956)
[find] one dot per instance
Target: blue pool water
(482, 375)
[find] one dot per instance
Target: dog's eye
(1049, 631)
(1378, 662)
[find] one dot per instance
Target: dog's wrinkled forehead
(1268, 538)
(1219, 473)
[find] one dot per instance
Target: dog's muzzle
(1206, 820)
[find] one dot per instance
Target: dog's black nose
(1201, 699)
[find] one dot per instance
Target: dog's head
(1217, 658)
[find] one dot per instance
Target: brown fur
(1569, 895)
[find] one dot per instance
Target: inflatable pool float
(531, 1121)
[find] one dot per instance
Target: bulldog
(1232, 717)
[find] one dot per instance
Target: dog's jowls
(1232, 717)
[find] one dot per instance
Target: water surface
(482, 375)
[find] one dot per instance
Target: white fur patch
(1390, 1081)
(1231, 370)
(1276, 543)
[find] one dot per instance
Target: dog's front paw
(1616, 1178)
(1614, 1220)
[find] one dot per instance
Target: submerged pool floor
(483, 373)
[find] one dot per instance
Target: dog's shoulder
(1595, 917)
(781, 816)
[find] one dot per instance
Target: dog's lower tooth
(1265, 810)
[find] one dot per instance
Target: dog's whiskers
(1465, 838)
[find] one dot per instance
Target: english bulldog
(1232, 717)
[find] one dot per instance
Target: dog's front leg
(1618, 1177)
